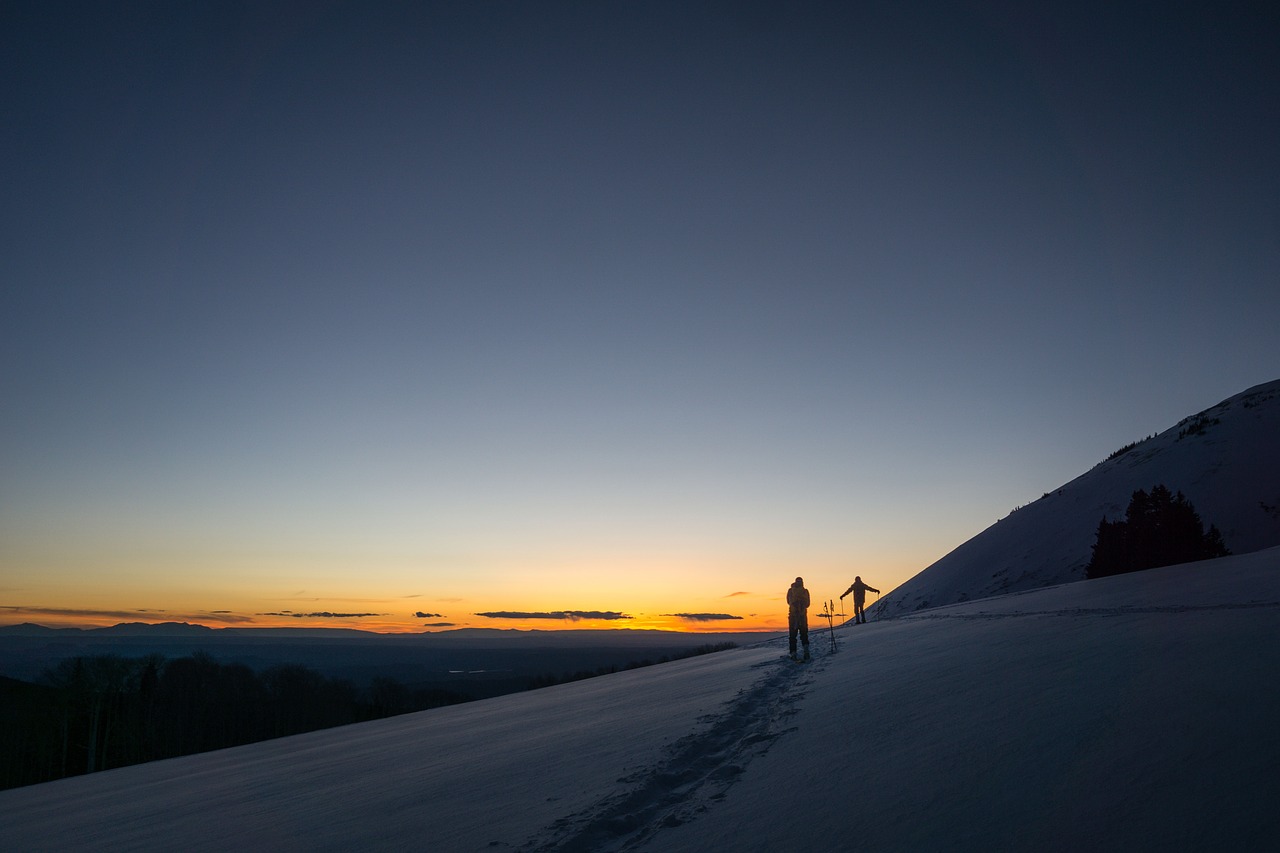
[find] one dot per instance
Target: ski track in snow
(694, 773)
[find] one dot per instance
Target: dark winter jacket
(859, 590)
(797, 598)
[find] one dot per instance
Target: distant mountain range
(453, 637)
(1225, 459)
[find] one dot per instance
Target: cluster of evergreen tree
(1159, 529)
(94, 713)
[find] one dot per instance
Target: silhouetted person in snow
(798, 616)
(859, 590)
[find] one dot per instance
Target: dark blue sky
(485, 290)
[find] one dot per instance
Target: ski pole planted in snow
(829, 612)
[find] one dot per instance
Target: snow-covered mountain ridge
(1225, 459)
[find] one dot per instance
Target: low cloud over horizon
(704, 617)
(421, 615)
(325, 614)
(570, 615)
(70, 611)
(223, 616)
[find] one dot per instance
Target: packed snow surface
(1129, 713)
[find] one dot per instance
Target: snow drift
(1223, 459)
(1129, 713)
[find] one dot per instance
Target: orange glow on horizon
(710, 597)
(386, 624)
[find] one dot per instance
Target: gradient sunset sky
(404, 316)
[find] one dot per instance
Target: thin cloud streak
(324, 614)
(567, 615)
(225, 617)
(76, 612)
(704, 617)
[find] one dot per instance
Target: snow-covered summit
(1224, 459)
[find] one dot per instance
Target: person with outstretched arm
(798, 617)
(859, 590)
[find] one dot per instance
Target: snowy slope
(1134, 712)
(1228, 472)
